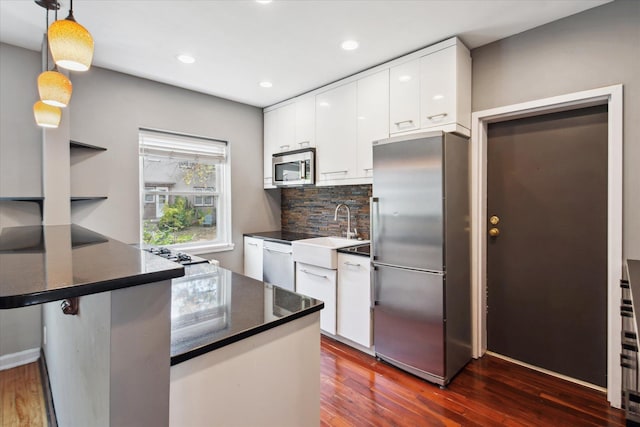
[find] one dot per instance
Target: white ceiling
(295, 44)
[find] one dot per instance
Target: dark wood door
(547, 268)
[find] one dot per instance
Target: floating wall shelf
(38, 200)
(87, 198)
(76, 144)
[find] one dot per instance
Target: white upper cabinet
(336, 133)
(372, 118)
(426, 90)
(305, 132)
(445, 88)
(404, 97)
(279, 135)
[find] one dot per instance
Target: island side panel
(78, 360)
(140, 355)
(269, 379)
(109, 365)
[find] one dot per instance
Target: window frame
(222, 191)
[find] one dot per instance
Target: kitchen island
(109, 355)
(242, 352)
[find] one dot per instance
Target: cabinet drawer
(354, 299)
(319, 283)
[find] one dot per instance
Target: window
(185, 192)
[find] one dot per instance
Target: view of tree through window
(183, 191)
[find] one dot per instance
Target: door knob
(494, 232)
(494, 220)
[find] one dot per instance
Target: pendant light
(46, 116)
(54, 87)
(70, 43)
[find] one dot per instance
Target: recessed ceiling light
(186, 59)
(324, 104)
(404, 78)
(349, 45)
(437, 97)
(263, 1)
(266, 84)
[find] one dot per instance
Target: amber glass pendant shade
(70, 44)
(46, 116)
(55, 88)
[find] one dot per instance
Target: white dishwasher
(277, 265)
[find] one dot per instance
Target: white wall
(20, 175)
(107, 110)
(595, 48)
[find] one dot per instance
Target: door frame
(612, 97)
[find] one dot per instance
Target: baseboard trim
(548, 372)
(46, 391)
(20, 358)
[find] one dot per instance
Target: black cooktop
(364, 250)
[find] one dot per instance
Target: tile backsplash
(311, 209)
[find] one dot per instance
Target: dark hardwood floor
(358, 390)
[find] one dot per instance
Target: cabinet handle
(351, 264)
(403, 121)
(285, 147)
(327, 173)
(278, 252)
(252, 244)
(441, 115)
(304, 143)
(368, 169)
(313, 274)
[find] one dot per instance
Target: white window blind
(182, 147)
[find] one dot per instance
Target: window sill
(205, 249)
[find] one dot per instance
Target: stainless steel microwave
(294, 168)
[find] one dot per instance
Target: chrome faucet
(350, 235)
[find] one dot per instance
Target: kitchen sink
(321, 251)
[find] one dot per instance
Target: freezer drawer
(409, 319)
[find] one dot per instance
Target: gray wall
(20, 175)
(596, 48)
(108, 108)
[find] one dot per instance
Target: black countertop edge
(360, 250)
(46, 296)
(179, 358)
(281, 236)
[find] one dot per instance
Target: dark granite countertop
(362, 250)
(213, 307)
(281, 236)
(633, 273)
(40, 264)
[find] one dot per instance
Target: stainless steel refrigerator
(420, 254)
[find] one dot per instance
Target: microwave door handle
(303, 169)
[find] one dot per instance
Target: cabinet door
(404, 97)
(253, 257)
(354, 299)
(279, 135)
(373, 118)
(319, 283)
(336, 133)
(305, 135)
(438, 88)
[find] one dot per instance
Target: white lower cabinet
(253, 257)
(354, 299)
(319, 283)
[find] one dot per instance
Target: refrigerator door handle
(374, 288)
(402, 267)
(373, 209)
